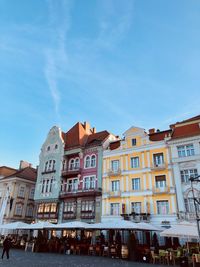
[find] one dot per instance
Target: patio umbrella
(182, 230)
(72, 225)
(148, 227)
(39, 225)
(14, 225)
(113, 224)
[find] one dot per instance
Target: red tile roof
(97, 138)
(158, 136)
(76, 136)
(27, 173)
(115, 144)
(186, 130)
(5, 171)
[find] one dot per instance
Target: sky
(114, 63)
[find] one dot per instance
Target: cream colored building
(137, 178)
(17, 193)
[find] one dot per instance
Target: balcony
(48, 171)
(161, 190)
(114, 193)
(81, 192)
(187, 216)
(71, 172)
(158, 167)
(114, 172)
(137, 217)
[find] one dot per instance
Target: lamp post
(196, 201)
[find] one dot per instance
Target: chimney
(87, 127)
(24, 164)
(151, 131)
(94, 130)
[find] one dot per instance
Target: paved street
(19, 258)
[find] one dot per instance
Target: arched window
(93, 161)
(64, 165)
(87, 162)
(48, 148)
(49, 168)
(71, 164)
(77, 163)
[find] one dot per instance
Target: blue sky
(113, 63)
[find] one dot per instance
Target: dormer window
(134, 142)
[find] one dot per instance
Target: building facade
(69, 182)
(185, 157)
(17, 193)
(137, 178)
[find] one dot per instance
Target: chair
(98, 250)
(195, 259)
(77, 250)
(164, 256)
(176, 256)
(91, 250)
(154, 257)
(105, 251)
(113, 252)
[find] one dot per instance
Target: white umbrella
(14, 225)
(148, 227)
(72, 225)
(40, 225)
(114, 224)
(182, 230)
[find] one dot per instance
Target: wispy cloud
(59, 23)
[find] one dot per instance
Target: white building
(185, 158)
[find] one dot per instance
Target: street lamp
(196, 201)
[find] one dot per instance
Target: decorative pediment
(133, 131)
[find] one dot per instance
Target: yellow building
(137, 178)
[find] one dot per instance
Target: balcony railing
(77, 191)
(158, 166)
(71, 172)
(114, 172)
(161, 190)
(137, 217)
(48, 171)
(187, 216)
(114, 193)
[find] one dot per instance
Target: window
(54, 165)
(189, 205)
(87, 162)
(77, 163)
(51, 184)
(114, 209)
(187, 174)
(133, 142)
(135, 162)
(136, 207)
(47, 186)
(46, 166)
(64, 165)
(18, 209)
(162, 207)
(49, 167)
(56, 146)
(29, 211)
(53, 207)
(43, 185)
(93, 161)
(89, 182)
(160, 181)
(136, 184)
(70, 207)
(48, 148)
(31, 194)
(87, 205)
(72, 185)
(47, 207)
(185, 151)
(115, 165)
(21, 192)
(40, 208)
(158, 159)
(115, 185)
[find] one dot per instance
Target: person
(6, 247)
